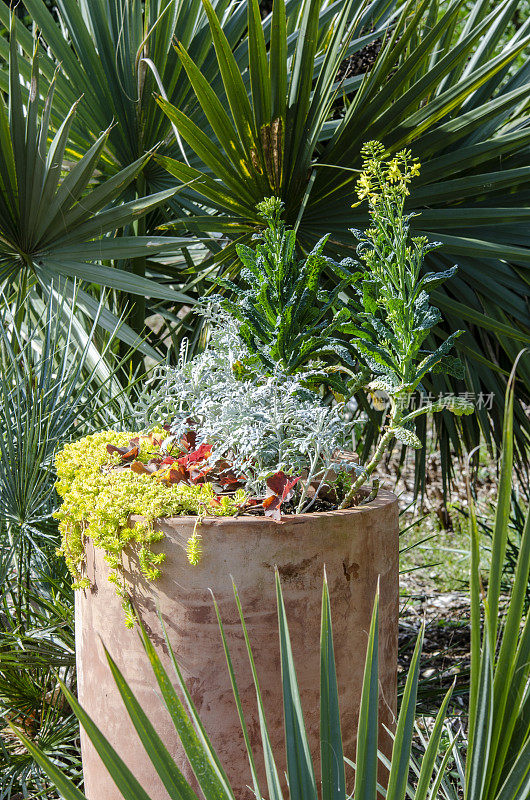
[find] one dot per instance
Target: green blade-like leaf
(170, 775)
(68, 790)
(278, 61)
(273, 781)
(399, 770)
(517, 784)
(258, 67)
(331, 751)
(113, 278)
(368, 726)
(237, 698)
(232, 81)
(120, 773)
(481, 715)
(300, 771)
(197, 746)
(428, 760)
(502, 513)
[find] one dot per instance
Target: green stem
(376, 458)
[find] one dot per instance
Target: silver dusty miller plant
(263, 424)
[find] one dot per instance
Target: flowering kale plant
(396, 318)
(287, 319)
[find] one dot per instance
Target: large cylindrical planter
(358, 547)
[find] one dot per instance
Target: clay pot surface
(357, 547)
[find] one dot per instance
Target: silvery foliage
(260, 424)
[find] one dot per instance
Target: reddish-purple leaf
(281, 485)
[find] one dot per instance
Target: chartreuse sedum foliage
(455, 94)
(287, 319)
(97, 502)
(493, 764)
(395, 319)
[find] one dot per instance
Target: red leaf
(272, 506)
(127, 453)
(167, 460)
(203, 452)
(175, 475)
(281, 485)
(140, 468)
(196, 474)
(189, 440)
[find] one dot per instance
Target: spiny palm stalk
(456, 95)
(54, 222)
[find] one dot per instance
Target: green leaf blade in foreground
(120, 773)
(399, 770)
(237, 699)
(331, 751)
(302, 785)
(64, 785)
(481, 715)
(271, 771)
(368, 726)
(170, 775)
(197, 746)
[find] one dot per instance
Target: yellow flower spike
(394, 173)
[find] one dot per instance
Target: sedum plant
(106, 477)
(491, 756)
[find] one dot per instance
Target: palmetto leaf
(116, 55)
(450, 94)
(57, 376)
(52, 223)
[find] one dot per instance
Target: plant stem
(377, 456)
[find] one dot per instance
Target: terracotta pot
(357, 547)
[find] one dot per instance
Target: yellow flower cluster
(97, 503)
(385, 180)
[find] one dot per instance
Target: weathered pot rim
(384, 498)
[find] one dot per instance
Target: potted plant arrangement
(244, 464)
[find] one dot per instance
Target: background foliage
(253, 109)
